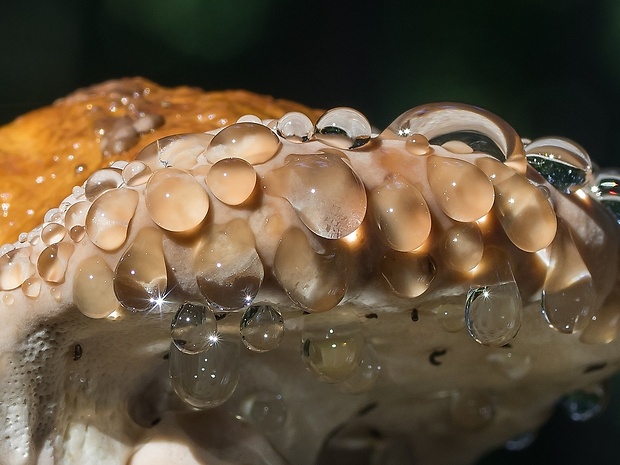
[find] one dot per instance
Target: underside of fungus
(310, 291)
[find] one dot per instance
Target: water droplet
(53, 233)
(267, 411)
(401, 214)
(463, 246)
(102, 181)
(93, 290)
(315, 281)
(8, 299)
(408, 274)
(249, 119)
(451, 317)
(520, 442)
(77, 233)
(76, 214)
(193, 328)
(523, 211)
(15, 268)
(232, 180)
(417, 144)
(175, 200)
(606, 189)
(472, 410)
(251, 142)
(140, 277)
(587, 403)
(332, 344)
(56, 293)
(136, 173)
(295, 127)
(53, 260)
(344, 128)
(562, 162)
(463, 192)
(228, 270)
(513, 365)
(208, 379)
(108, 218)
(568, 291)
(365, 375)
(329, 198)
(262, 328)
(32, 287)
(178, 151)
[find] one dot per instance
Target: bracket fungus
(283, 287)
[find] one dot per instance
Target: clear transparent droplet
(93, 290)
(136, 173)
(343, 128)
(179, 151)
(262, 328)
(451, 317)
(53, 233)
(366, 374)
(267, 411)
(101, 181)
(587, 403)
(295, 127)
(417, 144)
(15, 268)
(32, 287)
(108, 218)
(252, 142)
(53, 261)
(232, 180)
(194, 328)
(76, 214)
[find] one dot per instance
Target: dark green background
(547, 67)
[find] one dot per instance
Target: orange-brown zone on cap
(48, 151)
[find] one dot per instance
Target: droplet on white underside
(53, 233)
(344, 128)
(136, 173)
(179, 151)
(15, 268)
(53, 260)
(8, 299)
(108, 218)
(252, 142)
(261, 328)
(32, 287)
(332, 344)
(563, 163)
(266, 410)
(208, 379)
(472, 410)
(101, 181)
(76, 214)
(366, 374)
(585, 404)
(194, 328)
(93, 290)
(295, 127)
(231, 180)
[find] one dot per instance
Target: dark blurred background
(547, 67)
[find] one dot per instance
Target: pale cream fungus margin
(304, 291)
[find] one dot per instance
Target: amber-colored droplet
(53, 261)
(179, 151)
(251, 142)
(101, 181)
(109, 216)
(463, 246)
(32, 287)
(175, 200)
(232, 180)
(136, 173)
(408, 274)
(93, 291)
(53, 233)
(417, 144)
(76, 214)
(77, 233)
(15, 268)
(463, 192)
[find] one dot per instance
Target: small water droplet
(408, 274)
(463, 246)
(32, 287)
(76, 214)
(136, 173)
(102, 181)
(193, 328)
(208, 379)
(267, 411)
(53, 260)
(365, 375)
(8, 299)
(77, 233)
(472, 410)
(53, 233)
(417, 144)
(295, 127)
(451, 317)
(232, 180)
(332, 344)
(56, 293)
(251, 142)
(262, 328)
(585, 404)
(107, 221)
(93, 290)
(15, 268)
(79, 169)
(343, 128)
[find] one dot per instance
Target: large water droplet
(53, 260)
(267, 411)
(365, 375)
(93, 290)
(463, 246)
(408, 274)
(328, 196)
(251, 142)
(472, 410)
(175, 200)
(295, 127)
(208, 379)
(562, 162)
(587, 403)
(53, 233)
(193, 328)
(15, 268)
(568, 292)
(463, 192)
(262, 328)
(108, 218)
(344, 128)
(140, 277)
(606, 189)
(315, 281)
(401, 214)
(232, 180)
(332, 344)
(228, 270)
(102, 181)
(136, 173)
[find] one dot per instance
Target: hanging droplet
(140, 277)
(101, 181)
(606, 189)
(32, 287)
(408, 274)
(76, 214)
(401, 214)
(262, 328)
(232, 180)
(328, 196)
(208, 379)
(53, 260)
(108, 218)
(193, 328)
(513, 365)
(295, 127)
(604, 322)
(472, 410)
(417, 144)
(136, 173)
(332, 344)
(451, 317)
(525, 214)
(53, 233)
(562, 162)
(587, 403)
(315, 281)
(463, 192)
(267, 411)
(251, 142)
(463, 246)
(365, 375)
(175, 200)
(568, 292)
(343, 128)
(228, 270)
(15, 268)
(179, 151)
(93, 290)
